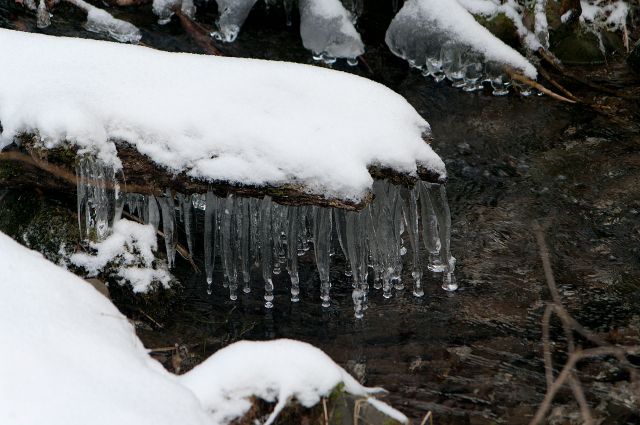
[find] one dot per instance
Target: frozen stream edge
(251, 233)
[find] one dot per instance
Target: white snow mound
(69, 357)
(239, 120)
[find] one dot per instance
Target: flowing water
(473, 356)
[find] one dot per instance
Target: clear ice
(433, 49)
(231, 16)
(402, 225)
(327, 29)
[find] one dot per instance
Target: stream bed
(473, 356)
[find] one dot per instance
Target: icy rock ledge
(251, 122)
(63, 340)
(444, 40)
(253, 233)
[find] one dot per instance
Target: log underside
(54, 169)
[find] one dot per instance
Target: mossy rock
(502, 27)
(580, 48)
(43, 225)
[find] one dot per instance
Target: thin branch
(521, 78)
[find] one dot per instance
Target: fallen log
(31, 164)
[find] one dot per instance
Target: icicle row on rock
(242, 235)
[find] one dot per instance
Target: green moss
(502, 27)
(41, 224)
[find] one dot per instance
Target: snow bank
(272, 370)
(449, 21)
(239, 120)
(70, 357)
(129, 249)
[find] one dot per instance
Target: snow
(70, 357)
(606, 15)
(129, 249)
(449, 20)
(273, 370)
(566, 16)
(512, 10)
(239, 120)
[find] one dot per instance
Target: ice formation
(327, 27)
(64, 342)
(310, 127)
(248, 236)
(444, 40)
(98, 20)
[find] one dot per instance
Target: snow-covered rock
(219, 119)
(423, 28)
(69, 357)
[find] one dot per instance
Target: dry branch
(570, 325)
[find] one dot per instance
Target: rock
(580, 48)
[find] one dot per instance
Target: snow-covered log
(201, 119)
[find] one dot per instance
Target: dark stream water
(473, 356)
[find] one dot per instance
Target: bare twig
(325, 411)
(521, 78)
(569, 325)
(427, 417)
(198, 33)
(557, 85)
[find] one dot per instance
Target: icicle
(278, 226)
(267, 250)
(411, 217)
(168, 226)
(243, 227)
(99, 200)
(43, 15)
(397, 228)
(356, 224)
(430, 235)
(210, 235)
(229, 248)
(321, 248)
(340, 221)
(232, 14)
(292, 252)
(441, 208)
(186, 209)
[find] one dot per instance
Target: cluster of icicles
(249, 233)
